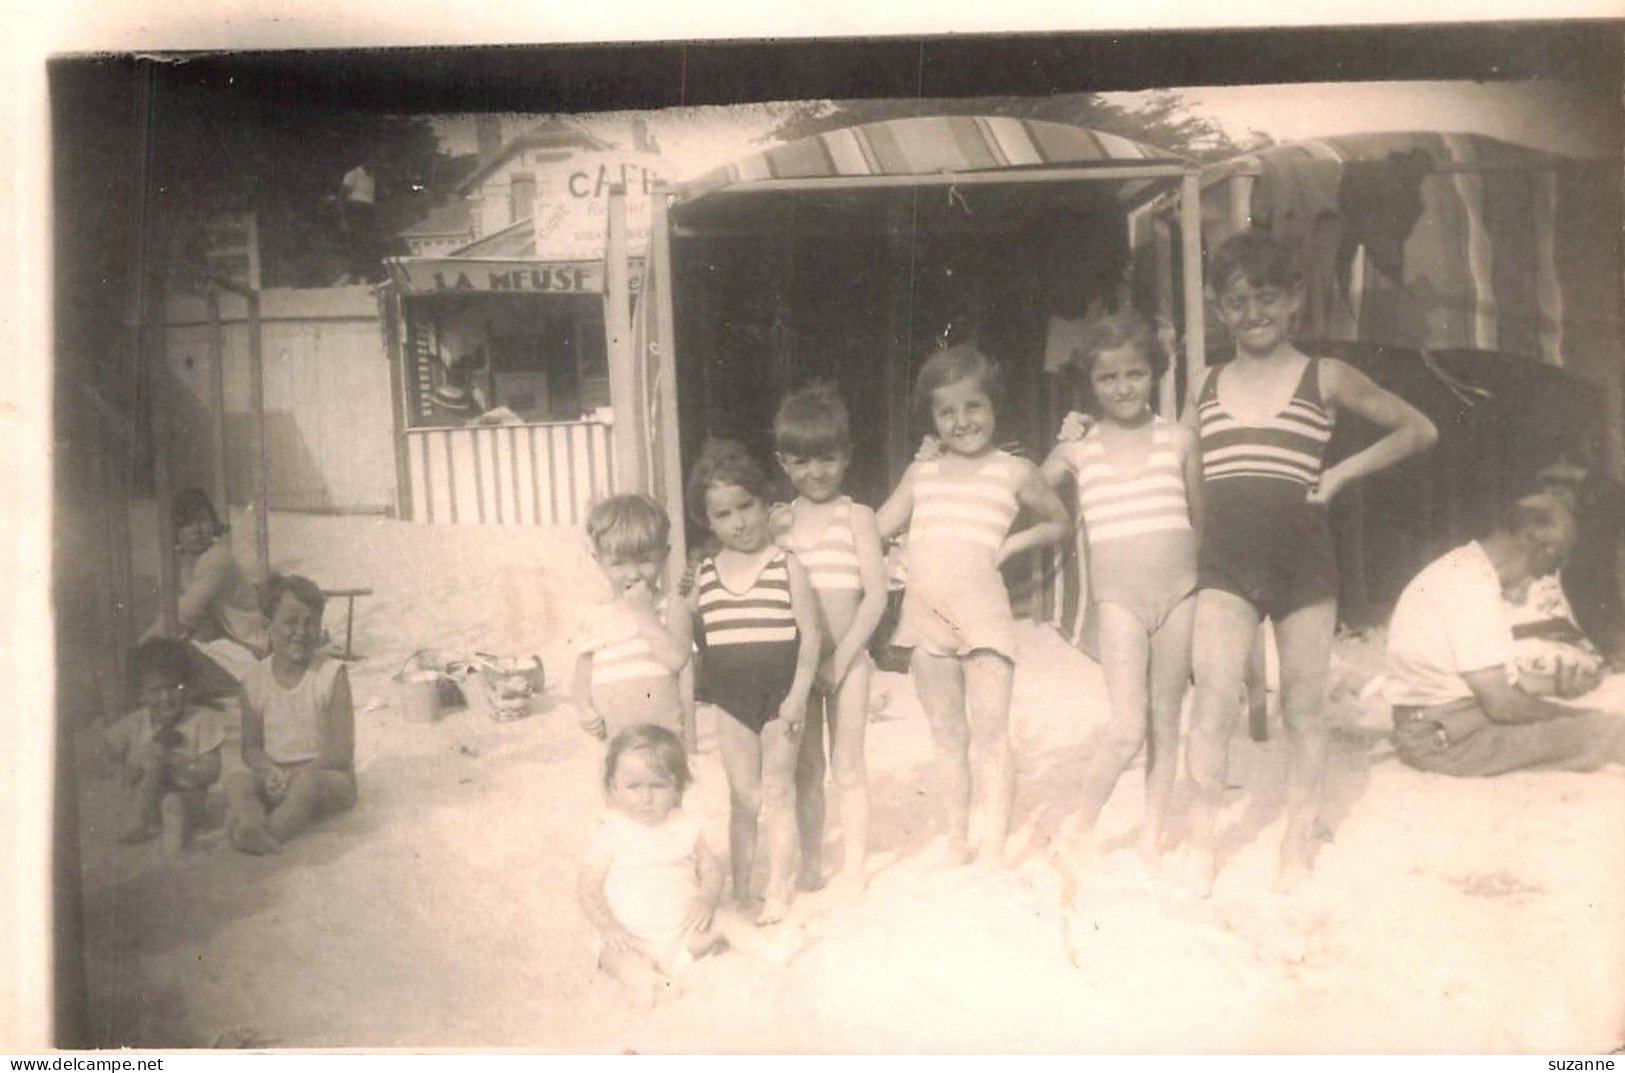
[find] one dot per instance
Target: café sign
(571, 216)
(435, 275)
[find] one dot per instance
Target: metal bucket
(420, 696)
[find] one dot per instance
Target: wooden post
(1190, 226)
(658, 284)
(623, 373)
(153, 360)
(217, 359)
(256, 405)
(1162, 266)
(391, 309)
(1241, 203)
(899, 240)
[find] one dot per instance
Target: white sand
(1445, 915)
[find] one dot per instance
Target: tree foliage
(1161, 119)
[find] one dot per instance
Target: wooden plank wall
(547, 474)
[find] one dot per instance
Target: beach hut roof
(930, 146)
(1447, 152)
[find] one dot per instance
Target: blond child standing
(838, 543)
(631, 651)
(959, 509)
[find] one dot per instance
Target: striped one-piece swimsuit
(1262, 539)
(832, 559)
(1142, 550)
(751, 642)
(956, 600)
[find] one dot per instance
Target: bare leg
(141, 821)
(780, 745)
(1257, 688)
(810, 769)
(175, 811)
(940, 683)
(1170, 671)
(1305, 641)
(1125, 652)
(644, 984)
(1227, 624)
(988, 677)
(741, 752)
(849, 725)
(246, 823)
(312, 793)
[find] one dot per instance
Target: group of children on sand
(1192, 530)
(298, 735)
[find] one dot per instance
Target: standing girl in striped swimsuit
(759, 629)
(1264, 420)
(1139, 497)
(959, 508)
(836, 540)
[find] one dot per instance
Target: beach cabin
(502, 399)
(1475, 278)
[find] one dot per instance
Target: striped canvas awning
(932, 146)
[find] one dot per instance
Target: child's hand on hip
(793, 711)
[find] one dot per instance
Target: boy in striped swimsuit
(838, 543)
(630, 653)
(1139, 485)
(759, 627)
(1264, 420)
(956, 615)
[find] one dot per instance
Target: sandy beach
(1444, 915)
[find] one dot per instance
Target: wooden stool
(349, 596)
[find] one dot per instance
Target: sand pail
(420, 696)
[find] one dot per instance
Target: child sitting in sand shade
(649, 883)
(298, 727)
(169, 747)
(630, 651)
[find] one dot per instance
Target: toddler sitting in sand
(169, 748)
(629, 653)
(649, 883)
(298, 727)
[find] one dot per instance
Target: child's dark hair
(163, 658)
(664, 750)
(1128, 329)
(812, 420)
(1258, 257)
(951, 365)
(631, 528)
(191, 504)
(300, 588)
(724, 462)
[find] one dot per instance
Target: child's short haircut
(300, 588)
(631, 528)
(665, 753)
(192, 504)
(165, 659)
(1110, 333)
(951, 365)
(1258, 257)
(725, 462)
(812, 420)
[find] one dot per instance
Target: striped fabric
(977, 510)
(626, 661)
(759, 615)
(1151, 501)
(931, 145)
(832, 559)
(1288, 446)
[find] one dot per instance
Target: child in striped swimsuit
(838, 543)
(959, 508)
(1265, 419)
(1139, 482)
(629, 654)
(759, 627)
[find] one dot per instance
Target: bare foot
(774, 909)
(1203, 866)
(172, 810)
(254, 839)
(810, 877)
